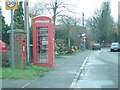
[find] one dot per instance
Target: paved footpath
(61, 77)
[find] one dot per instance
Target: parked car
(3, 46)
(115, 46)
(96, 46)
(4, 55)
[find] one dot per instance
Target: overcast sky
(86, 6)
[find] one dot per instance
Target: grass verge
(32, 72)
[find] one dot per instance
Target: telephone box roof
(42, 16)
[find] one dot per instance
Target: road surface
(101, 71)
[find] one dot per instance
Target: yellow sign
(11, 4)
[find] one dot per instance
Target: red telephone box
(43, 41)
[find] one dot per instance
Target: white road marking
(25, 85)
(78, 74)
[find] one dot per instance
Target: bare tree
(37, 9)
(74, 29)
(66, 20)
(102, 24)
(53, 7)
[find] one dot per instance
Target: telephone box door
(42, 44)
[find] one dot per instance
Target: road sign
(11, 4)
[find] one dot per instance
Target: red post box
(43, 41)
(24, 48)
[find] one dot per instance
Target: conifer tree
(4, 28)
(18, 17)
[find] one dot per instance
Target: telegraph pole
(83, 29)
(83, 19)
(119, 20)
(27, 28)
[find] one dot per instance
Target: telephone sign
(11, 4)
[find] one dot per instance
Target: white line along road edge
(77, 75)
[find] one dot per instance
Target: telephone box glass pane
(42, 44)
(43, 28)
(42, 38)
(42, 58)
(43, 33)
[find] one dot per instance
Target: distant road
(101, 71)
